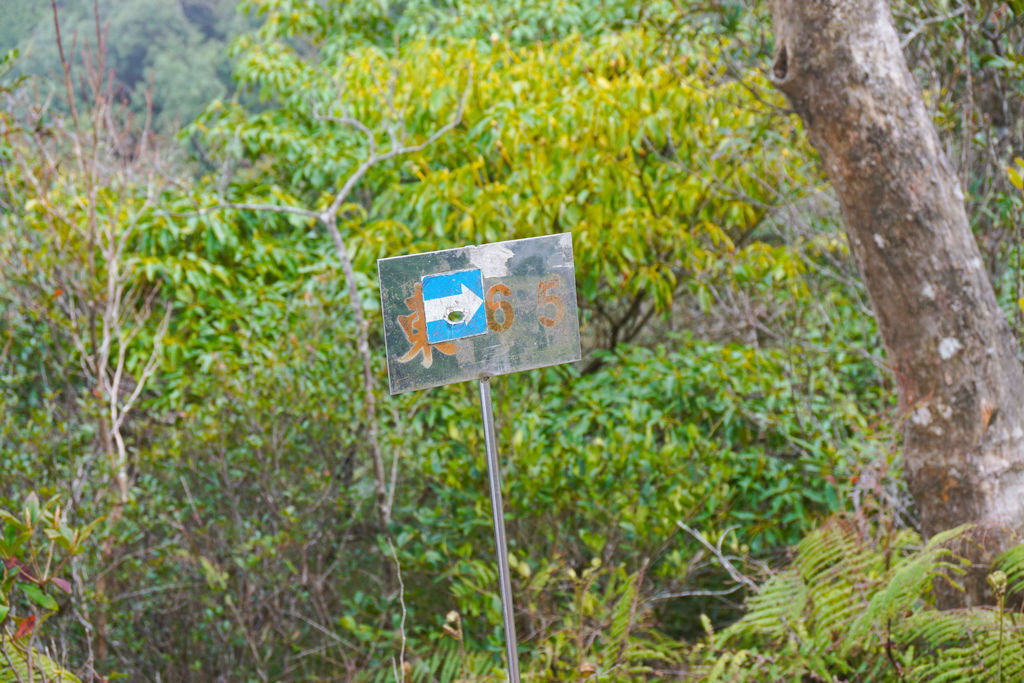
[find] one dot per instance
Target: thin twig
(924, 23)
(401, 601)
(736, 575)
(694, 593)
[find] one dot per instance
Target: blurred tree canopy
(177, 49)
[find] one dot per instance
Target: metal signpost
(472, 313)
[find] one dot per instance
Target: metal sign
(479, 311)
(474, 312)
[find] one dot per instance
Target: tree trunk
(952, 352)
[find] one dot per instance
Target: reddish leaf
(26, 573)
(25, 627)
(61, 584)
(12, 564)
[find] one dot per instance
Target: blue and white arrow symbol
(455, 308)
(453, 305)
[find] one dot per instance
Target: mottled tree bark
(951, 350)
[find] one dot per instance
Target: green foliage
(247, 541)
(19, 665)
(382, 22)
(36, 548)
(80, 322)
(605, 632)
(971, 69)
(174, 51)
(618, 139)
(607, 137)
(257, 501)
(1011, 563)
(20, 17)
(600, 470)
(249, 546)
(859, 608)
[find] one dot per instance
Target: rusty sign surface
(478, 311)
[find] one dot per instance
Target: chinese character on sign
(415, 327)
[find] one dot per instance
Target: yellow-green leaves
(1016, 173)
(656, 160)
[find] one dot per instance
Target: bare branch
(736, 575)
(243, 206)
(327, 632)
(353, 123)
(398, 149)
(65, 65)
(694, 593)
(149, 368)
(924, 23)
(401, 601)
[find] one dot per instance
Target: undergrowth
(856, 608)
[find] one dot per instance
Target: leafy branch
(398, 146)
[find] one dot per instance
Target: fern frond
(964, 644)
(848, 610)
(780, 601)
(825, 551)
(909, 578)
(621, 624)
(1011, 563)
(43, 668)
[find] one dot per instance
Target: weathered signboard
(475, 312)
(478, 311)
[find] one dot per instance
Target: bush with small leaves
(36, 547)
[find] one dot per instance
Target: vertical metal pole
(494, 477)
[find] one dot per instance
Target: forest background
(204, 478)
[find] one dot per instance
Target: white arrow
(466, 302)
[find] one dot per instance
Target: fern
(1012, 563)
(622, 620)
(848, 609)
(14, 666)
